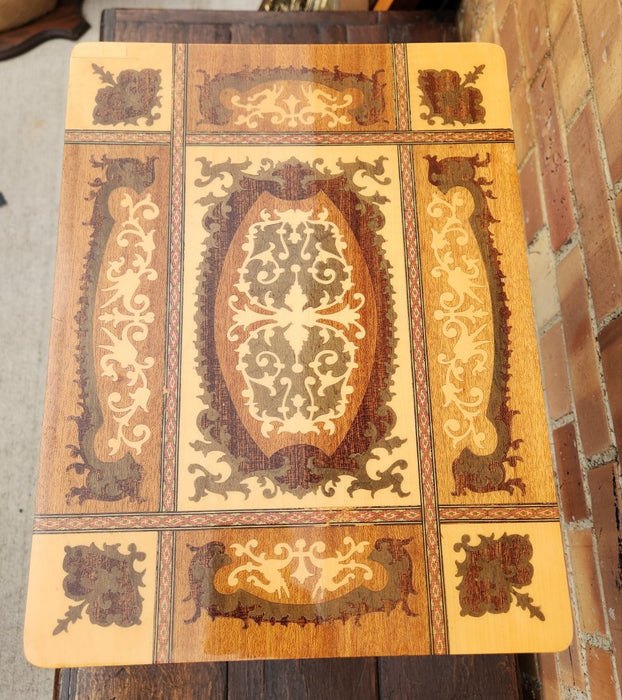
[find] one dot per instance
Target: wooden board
(493, 677)
(293, 404)
(221, 27)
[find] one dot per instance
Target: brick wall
(565, 71)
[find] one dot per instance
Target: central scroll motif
(295, 333)
(295, 321)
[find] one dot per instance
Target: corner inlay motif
(105, 585)
(492, 573)
(131, 96)
(450, 98)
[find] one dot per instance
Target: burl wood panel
(294, 406)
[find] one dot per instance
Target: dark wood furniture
(205, 27)
(65, 21)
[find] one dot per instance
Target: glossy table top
(294, 404)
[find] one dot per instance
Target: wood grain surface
(303, 419)
(494, 677)
(220, 27)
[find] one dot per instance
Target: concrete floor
(32, 107)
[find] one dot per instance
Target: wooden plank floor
(454, 677)
(491, 677)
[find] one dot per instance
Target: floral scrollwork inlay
(295, 331)
(291, 104)
(481, 465)
(131, 96)
(298, 359)
(110, 480)
(105, 585)
(125, 323)
(492, 573)
(293, 98)
(464, 316)
(451, 98)
(330, 573)
(301, 584)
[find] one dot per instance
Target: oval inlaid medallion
(295, 323)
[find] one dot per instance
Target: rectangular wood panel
(304, 417)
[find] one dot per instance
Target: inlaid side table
(294, 405)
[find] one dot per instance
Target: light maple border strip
(500, 513)
(220, 519)
(140, 138)
(164, 610)
(400, 71)
(165, 563)
(426, 460)
(329, 139)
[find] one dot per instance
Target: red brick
(560, 212)
(501, 7)
(530, 198)
(607, 509)
(602, 20)
(532, 25)
(601, 673)
(602, 254)
(554, 369)
(589, 603)
(570, 666)
(471, 18)
(508, 36)
(619, 209)
(610, 341)
(572, 78)
(488, 32)
(521, 119)
(556, 14)
(583, 359)
(571, 487)
(612, 134)
(548, 677)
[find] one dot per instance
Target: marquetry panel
(293, 404)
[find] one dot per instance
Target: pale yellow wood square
(83, 642)
(540, 570)
(105, 76)
(476, 77)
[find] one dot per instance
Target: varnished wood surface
(385, 679)
(220, 27)
(493, 677)
(254, 672)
